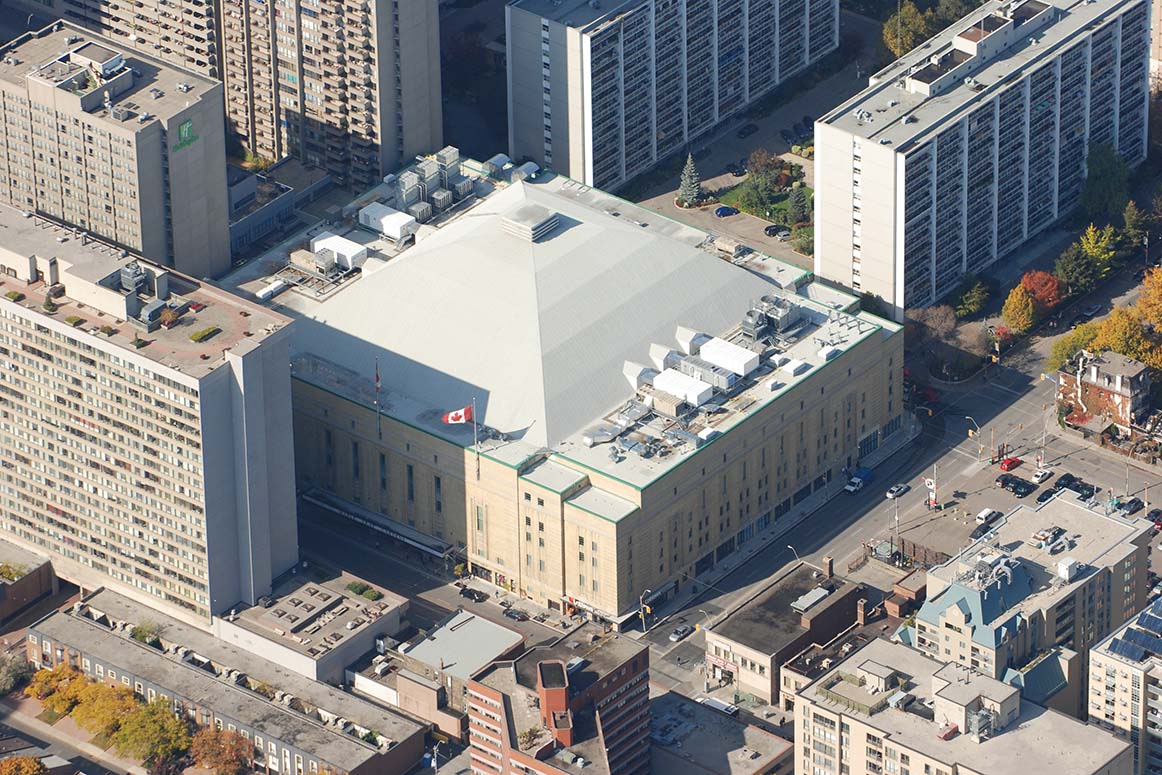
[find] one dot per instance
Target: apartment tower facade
(602, 92)
(352, 86)
(960, 152)
(144, 418)
(119, 145)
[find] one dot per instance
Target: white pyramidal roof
(537, 331)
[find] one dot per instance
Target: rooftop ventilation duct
(530, 223)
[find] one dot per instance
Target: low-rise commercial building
(314, 628)
(890, 708)
(636, 396)
(298, 726)
(117, 144)
(579, 705)
(144, 424)
(687, 736)
(428, 676)
(806, 605)
(1125, 686)
(1027, 602)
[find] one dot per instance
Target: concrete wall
(420, 95)
(15, 596)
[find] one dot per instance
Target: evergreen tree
(690, 185)
(798, 207)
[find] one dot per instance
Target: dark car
(979, 531)
(516, 615)
(1132, 506)
(725, 211)
(1083, 490)
(475, 595)
(788, 136)
(1046, 495)
(777, 231)
(1064, 481)
(746, 131)
(1155, 516)
(808, 121)
(1003, 480)
(1022, 488)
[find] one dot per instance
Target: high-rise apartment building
(964, 149)
(120, 145)
(602, 92)
(352, 86)
(581, 704)
(887, 708)
(144, 423)
(1026, 603)
(1125, 687)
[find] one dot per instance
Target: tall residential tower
(601, 93)
(144, 424)
(964, 149)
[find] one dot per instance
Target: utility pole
(1127, 481)
(935, 498)
(1146, 495)
(896, 546)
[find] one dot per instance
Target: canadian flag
(459, 416)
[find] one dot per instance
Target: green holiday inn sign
(186, 135)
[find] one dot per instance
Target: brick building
(581, 704)
(1114, 388)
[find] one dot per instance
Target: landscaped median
(116, 718)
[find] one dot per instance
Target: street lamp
(642, 610)
(979, 448)
(797, 558)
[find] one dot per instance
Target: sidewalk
(775, 532)
(22, 716)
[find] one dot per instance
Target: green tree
(1106, 184)
(1069, 343)
(1099, 245)
(102, 708)
(152, 733)
(221, 750)
(1020, 310)
(906, 29)
(798, 206)
(1076, 270)
(14, 673)
(22, 765)
(1137, 224)
(971, 297)
(690, 184)
(948, 12)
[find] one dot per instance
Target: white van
(987, 516)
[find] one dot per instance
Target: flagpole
(475, 438)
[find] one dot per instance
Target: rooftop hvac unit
(829, 352)
(667, 404)
(783, 313)
(711, 374)
(1068, 568)
(441, 199)
(795, 367)
(754, 324)
(729, 356)
(132, 277)
(663, 357)
(693, 390)
(461, 187)
(689, 340)
(638, 375)
(421, 211)
(448, 156)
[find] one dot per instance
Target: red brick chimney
(553, 692)
(861, 612)
(828, 566)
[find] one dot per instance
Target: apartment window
(580, 541)
(328, 447)
(540, 527)
(439, 496)
(540, 501)
(411, 483)
(480, 518)
(355, 460)
(383, 472)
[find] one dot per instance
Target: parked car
(1041, 474)
(781, 233)
(733, 169)
(680, 632)
(1009, 463)
(1155, 516)
(724, 211)
(787, 136)
(896, 490)
(1046, 494)
(1022, 488)
(516, 615)
(475, 595)
(1003, 480)
(1132, 506)
(1064, 481)
(1089, 310)
(746, 131)
(979, 531)
(1084, 491)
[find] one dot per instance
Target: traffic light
(996, 359)
(971, 433)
